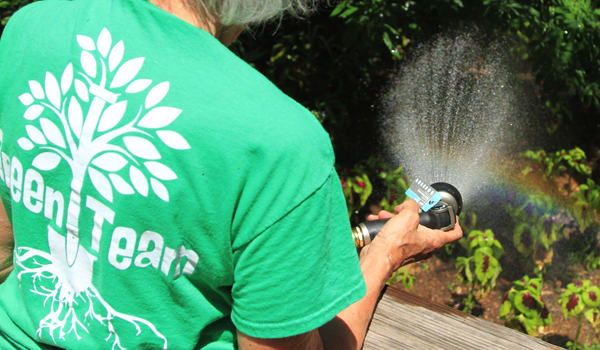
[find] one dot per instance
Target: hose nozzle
(440, 217)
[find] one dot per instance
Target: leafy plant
(592, 262)
(393, 185)
(357, 189)
(402, 276)
(581, 299)
(480, 268)
(468, 220)
(560, 162)
(560, 38)
(536, 228)
(372, 186)
(587, 204)
(523, 307)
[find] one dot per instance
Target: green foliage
(560, 162)
(592, 262)
(581, 299)
(468, 221)
(338, 60)
(480, 268)
(403, 276)
(394, 184)
(357, 189)
(535, 228)
(365, 178)
(523, 307)
(587, 204)
(561, 38)
(536, 220)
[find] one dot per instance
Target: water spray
(441, 216)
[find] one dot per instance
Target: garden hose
(442, 216)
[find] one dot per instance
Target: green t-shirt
(162, 192)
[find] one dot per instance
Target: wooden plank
(407, 321)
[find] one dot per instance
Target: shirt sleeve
(301, 271)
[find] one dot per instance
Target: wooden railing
(406, 321)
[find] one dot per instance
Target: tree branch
(60, 153)
(65, 124)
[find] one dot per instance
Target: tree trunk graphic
(81, 160)
(88, 144)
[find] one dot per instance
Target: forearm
(6, 269)
(349, 328)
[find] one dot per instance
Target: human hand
(402, 240)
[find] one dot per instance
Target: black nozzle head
(450, 195)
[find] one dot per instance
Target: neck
(188, 11)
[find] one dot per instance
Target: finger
(385, 215)
(455, 233)
(408, 204)
(372, 217)
(444, 237)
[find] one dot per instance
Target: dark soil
(434, 278)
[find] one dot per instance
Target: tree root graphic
(66, 305)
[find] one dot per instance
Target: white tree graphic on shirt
(97, 145)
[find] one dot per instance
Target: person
(159, 193)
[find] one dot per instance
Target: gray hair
(239, 12)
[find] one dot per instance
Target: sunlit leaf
(464, 270)
(141, 147)
(101, 184)
(527, 303)
(545, 316)
(571, 304)
(173, 139)
(52, 132)
(593, 317)
(104, 42)
(25, 143)
(86, 42)
(52, 90)
(88, 62)
(156, 94)
(33, 112)
(35, 135)
(159, 117)
(116, 55)
(112, 116)
(138, 85)
(75, 116)
(120, 185)
(505, 308)
(591, 296)
(67, 79)
(159, 189)
(36, 89)
(485, 265)
(26, 99)
(82, 90)
(160, 171)
(138, 180)
(110, 161)
(46, 161)
(127, 72)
